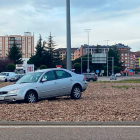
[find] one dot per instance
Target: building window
(125, 57)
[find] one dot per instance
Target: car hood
(15, 86)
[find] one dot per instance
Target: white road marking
(63, 126)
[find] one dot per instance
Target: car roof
(45, 70)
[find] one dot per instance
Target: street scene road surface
(105, 78)
(69, 133)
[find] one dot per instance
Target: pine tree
(54, 58)
(41, 55)
(15, 54)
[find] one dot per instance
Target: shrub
(10, 67)
(43, 67)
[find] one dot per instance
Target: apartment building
(134, 63)
(25, 43)
(62, 52)
(125, 53)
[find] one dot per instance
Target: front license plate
(1, 98)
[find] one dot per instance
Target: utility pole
(68, 34)
(112, 65)
(107, 56)
(88, 70)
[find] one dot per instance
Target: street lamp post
(88, 70)
(107, 56)
(68, 35)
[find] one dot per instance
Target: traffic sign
(97, 71)
(102, 71)
(88, 70)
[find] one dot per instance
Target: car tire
(5, 80)
(91, 80)
(31, 97)
(76, 92)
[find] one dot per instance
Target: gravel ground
(100, 102)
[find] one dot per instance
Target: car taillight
(84, 79)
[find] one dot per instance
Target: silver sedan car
(44, 84)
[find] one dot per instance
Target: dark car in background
(91, 77)
(16, 77)
(113, 77)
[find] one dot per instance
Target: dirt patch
(100, 102)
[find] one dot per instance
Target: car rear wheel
(5, 80)
(76, 92)
(91, 80)
(31, 97)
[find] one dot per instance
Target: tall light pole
(107, 56)
(68, 34)
(88, 70)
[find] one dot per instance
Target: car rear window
(62, 74)
(87, 74)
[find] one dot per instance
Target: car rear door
(48, 87)
(64, 82)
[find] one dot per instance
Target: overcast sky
(115, 20)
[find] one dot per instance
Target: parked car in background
(113, 77)
(5, 76)
(45, 84)
(16, 77)
(117, 74)
(91, 77)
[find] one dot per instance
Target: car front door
(48, 86)
(64, 82)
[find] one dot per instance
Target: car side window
(48, 76)
(62, 74)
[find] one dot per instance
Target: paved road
(69, 133)
(104, 78)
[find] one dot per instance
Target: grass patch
(120, 87)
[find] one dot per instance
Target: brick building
(26, 43)
(62, 52)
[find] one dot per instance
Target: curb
(120, 123)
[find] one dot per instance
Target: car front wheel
(31, 97)
(76, 92)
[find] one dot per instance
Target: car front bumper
(10, 98)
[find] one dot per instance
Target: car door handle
(55, 82)
(71, 79)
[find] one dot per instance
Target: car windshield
(16, 76)
(30, 78)
(2, 73)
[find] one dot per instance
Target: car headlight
(13, 91)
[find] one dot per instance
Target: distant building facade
(62, 52)
(124, 51)
(26, 43)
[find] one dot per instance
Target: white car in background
(5, 76)
(44, 84)
(117, 74)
